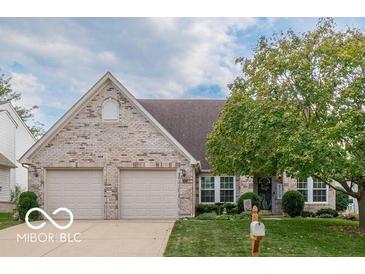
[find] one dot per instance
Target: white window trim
(102, 110)
(217, 188)
(310, 193)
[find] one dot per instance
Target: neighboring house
(353, 205)
(15, 139)
(112, 156)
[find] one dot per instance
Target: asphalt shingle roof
(188, 121)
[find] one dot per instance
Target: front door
(264, 188)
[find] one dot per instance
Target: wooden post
(255, 240)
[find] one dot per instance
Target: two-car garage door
(142, 193)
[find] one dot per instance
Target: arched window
(110, 110)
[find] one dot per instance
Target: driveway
(132, 238)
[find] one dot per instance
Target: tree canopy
(299, 108)
(26, 114)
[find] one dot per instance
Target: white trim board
(87, 96)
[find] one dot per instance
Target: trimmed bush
(201, 208)
(248, 196)
(218, 208)
(342, 201)
(328, 211)
(293, 203)
(308, 214)
(207, 216)
(230, 208)
(27, 201)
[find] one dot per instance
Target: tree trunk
(361, 202)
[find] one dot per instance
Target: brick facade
(86, 141)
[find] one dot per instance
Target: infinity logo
(49, 218)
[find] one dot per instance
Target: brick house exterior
(135, 141)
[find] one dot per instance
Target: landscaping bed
(284, 237)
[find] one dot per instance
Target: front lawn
(285, 237)
(6, 220)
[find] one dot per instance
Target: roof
(106, 79)
(188, 121)
(5, 162)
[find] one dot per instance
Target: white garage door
(148, 194)
(81, 191)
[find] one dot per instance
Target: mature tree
(299, 108)
(8, 95)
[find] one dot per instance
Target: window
(110, 110)
(207, 190)
(302, 187)
(226, 190)
(313, 190)
(217, 189)
(319, 191)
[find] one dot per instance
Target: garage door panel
(81, 191)
(148, 193)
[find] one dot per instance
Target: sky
(54, 61)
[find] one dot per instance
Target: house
(112, 156)
(15, 139)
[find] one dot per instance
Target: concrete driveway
(132, 238)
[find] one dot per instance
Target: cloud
(29, 87)
(31, 90)
(154, 56)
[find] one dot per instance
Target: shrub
(15, 194)
(218, 208)
(248, 196)
(201, 208)
(328, 211)
(234, 211)
(230, 207)
(325, 215)
(27, 201)
(207, 216)
(342, 201)
(307, 214)
(293, 203)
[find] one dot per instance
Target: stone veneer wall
(87, 141)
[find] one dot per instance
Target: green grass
(6, 220)
(286, 237)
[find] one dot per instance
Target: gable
(84, 122)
